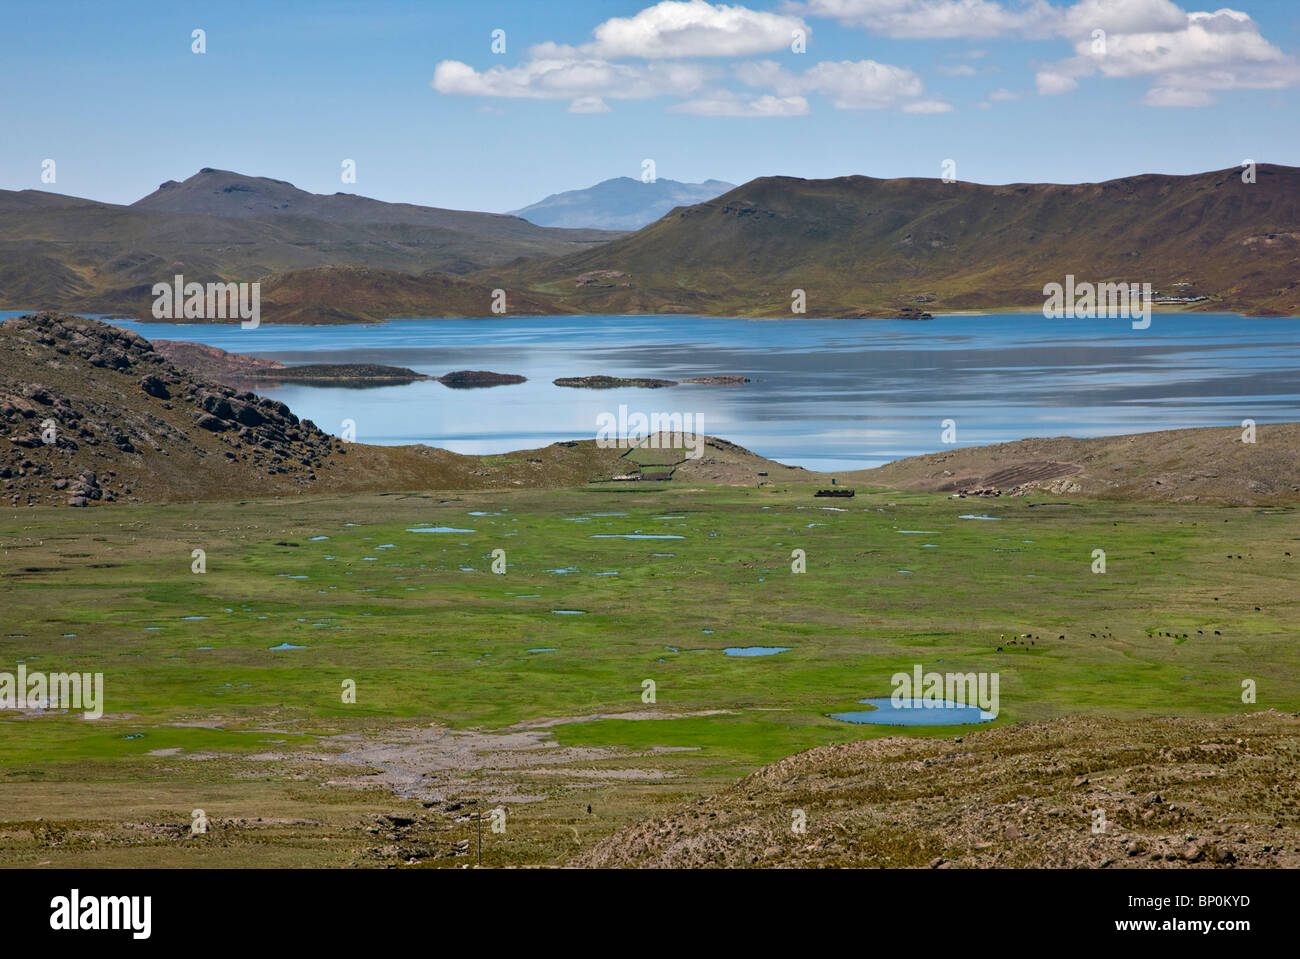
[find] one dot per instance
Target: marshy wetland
(223, 689)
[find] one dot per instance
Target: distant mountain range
(619, 204)
(66, 252)
(856, 246)
(860, 246)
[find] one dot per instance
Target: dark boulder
(154, 386)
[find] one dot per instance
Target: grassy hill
(70, 253)
(861, 246)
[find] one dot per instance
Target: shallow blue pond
(914, 712)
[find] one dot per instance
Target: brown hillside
(861, 246)
(1208, 465)
(348, 294)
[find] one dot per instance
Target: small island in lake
(475, 379)
(340, 374)
(243, 371)
(611, 382)
(729, 379)
(649, 383)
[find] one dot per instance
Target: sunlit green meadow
(429, 633)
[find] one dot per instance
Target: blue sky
(588, 89)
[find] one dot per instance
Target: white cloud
(1050, 84)
(937, 18)
(1186, 55)
(768, 73)
(665, 34)
(1002, 93)
(1122, 16)
(1203, 40)
(661, 51)
(678, 29)
(928, 106)
(589, 105)
(848, 84)
(725, 103)
(570, 79)
(1170, 97)
(863, 84)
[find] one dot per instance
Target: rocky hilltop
(1176, 792)
(91, 413)
(94, 413)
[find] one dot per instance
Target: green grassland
(430, 634)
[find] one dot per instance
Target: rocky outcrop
(109, 411)
(213, 363)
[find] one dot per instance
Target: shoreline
(815, 475)
(1000, 311)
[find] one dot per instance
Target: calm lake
(826, 394)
